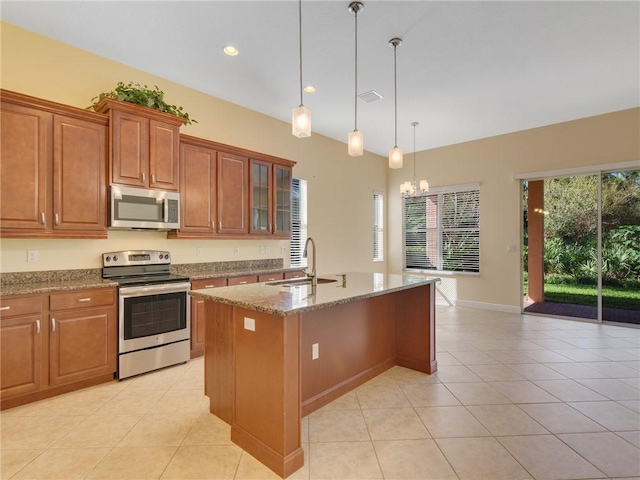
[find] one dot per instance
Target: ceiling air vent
(370, 96)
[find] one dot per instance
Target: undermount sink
(300, 281)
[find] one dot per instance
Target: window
(378, 227)
(442, 230)
(298, 222)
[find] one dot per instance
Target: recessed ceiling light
(309, 89)
(230, 50)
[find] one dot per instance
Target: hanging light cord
(300, 37)
(355, 96)
(395, 93)
(414, 151)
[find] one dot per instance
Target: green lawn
(614, 297)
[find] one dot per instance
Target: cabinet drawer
(82, 299)
(243, 279)
(270, 277)
(208, 283)
(14, 306)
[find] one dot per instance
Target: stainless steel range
(153, 310)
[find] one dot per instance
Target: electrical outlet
(250, 324)
(236, 251)
(511, 248)
(32, 256)
(283, 250)
(315, 351)
(263, 249)
(199, 252)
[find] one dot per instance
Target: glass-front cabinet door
(261, 180)
(282, 200)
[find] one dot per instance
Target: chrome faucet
(314, 277)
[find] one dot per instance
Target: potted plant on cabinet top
(142, 95)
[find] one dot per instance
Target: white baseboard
(488, 306)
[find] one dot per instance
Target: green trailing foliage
(145, 96)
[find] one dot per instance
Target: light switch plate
(315, 351)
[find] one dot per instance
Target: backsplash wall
(62, 254)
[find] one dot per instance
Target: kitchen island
(275, 352)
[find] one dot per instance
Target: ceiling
(466, 70)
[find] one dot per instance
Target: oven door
(153, 315)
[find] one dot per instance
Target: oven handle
(154, 289)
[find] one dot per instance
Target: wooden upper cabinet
(53, 162)
(282, 200)
(25, 146)
(197, 189)
(144, 146)
(270, 199)
(233, 194)
(79, 163)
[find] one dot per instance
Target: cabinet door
(233, 196)
(129, 149)
(25, 143)
(260, 197)
(79, 162)
(282, 201)
(21, 355)
(164, 141)
(198, 316)
(197, 189)
(82, 345)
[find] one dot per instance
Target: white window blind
(378, 227)
(298, 222)
(442, 231)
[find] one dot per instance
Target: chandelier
(413, 189)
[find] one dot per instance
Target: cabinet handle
(42, 218)
(242, 283)
(37, 326)
(8, 307)
(208, 286)
(270, 228)
(57, 219)
(88, 299)
(219, 225)
(53, 324)
(153, 178)
(142, 176)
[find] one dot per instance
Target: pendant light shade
(395, 154)
(395, 157)
(356, 143)
(301, 122)
(356, 140)
(301, 116)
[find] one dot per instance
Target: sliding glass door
(582, 246)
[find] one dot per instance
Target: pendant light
(395, 154)
(356, 140)
(411, 189)
(301, 116)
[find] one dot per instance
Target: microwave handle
(166, 210)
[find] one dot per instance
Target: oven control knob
(115, 258)
(166, 256)
(108, 259)
(161, 256)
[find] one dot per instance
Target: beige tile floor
(515, 397)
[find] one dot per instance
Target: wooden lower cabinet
(51, 344)
(21, 346)
(296, 274)
(82, 345)
(197, 314)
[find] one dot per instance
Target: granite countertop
(236, 272)
(39, 283)
(288, 297)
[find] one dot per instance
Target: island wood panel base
(260, 377)
(266, 390)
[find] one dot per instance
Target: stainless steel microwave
(140, 208)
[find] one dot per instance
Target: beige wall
(339, 187)
(493, 162)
